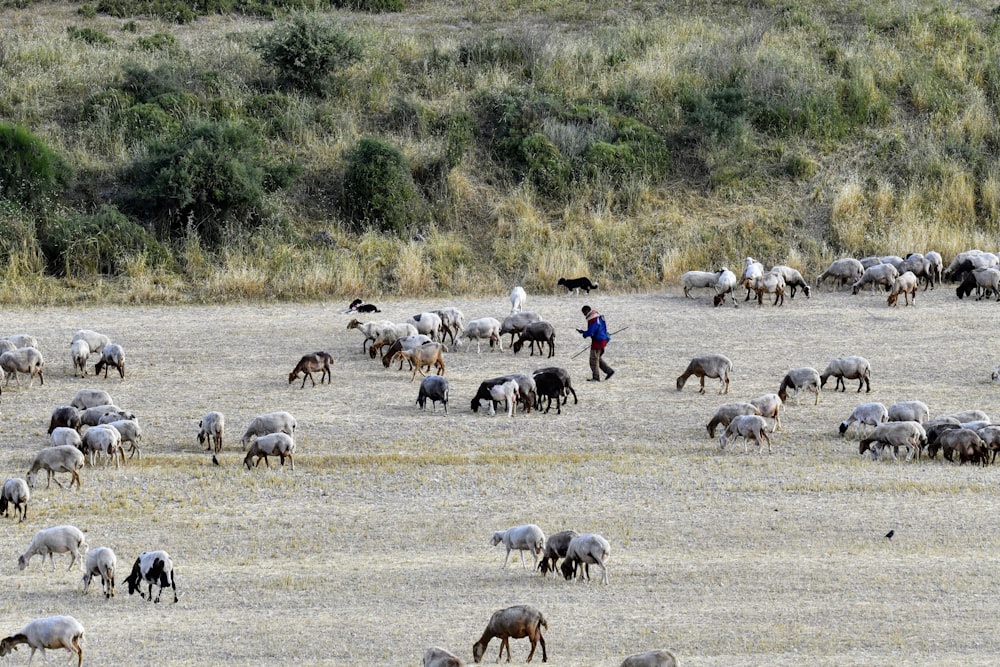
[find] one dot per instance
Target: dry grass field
(376, 546)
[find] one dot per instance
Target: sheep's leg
(702, 390)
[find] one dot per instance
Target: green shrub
(459, 135)
(175, 11)
(87, 11)
(160, 41)
(307, 51)
(547, 169)
(378, 189)
(146, 85)
(89, 35)
(30, 171)
(371, 6)
(146, 122)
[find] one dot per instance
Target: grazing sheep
(725, 413)
(907, 434)
(428, 323)
(909, 411)
(752, 269)
(153, 567)
(549, 385)
(101, 562)
(518, 298)
(439, 657)
(577, 284)
(95, 341)
(370, 330)
(15, 492)
(842, 271)
(564, 377)
(990, 436)
(589, 548)
(405, 343)
(515, 324)
(55, 540)
(6, 345)
(969, 261)
(905, 284)
(269, 422)
(970, 416)
(452, 323)
(359, 306)
(537, 332)
(985, 279)
(695, 279)
(309, 364)
(658, 658)
(212, 426)
(88, 398)
(851, 368)
(93, 416)
(555, 548)
(880, 274)
(509, 392)
(725, 285)
(64, 458)
(484, 328)
(130, 432)
(389, 335)
(793, 279)
(79, 352)
(63, 435)
(426, 356)
(22, 360)
(51, 632)
(935, 266)
(111, 356)
(64, 416)
(920, 267)
(800, 379)
(22, 340)
(273, 444)
(770, 406)
(435, 388)
(528, 537)
(513, 623)
(870, 414)
(747, 426)
(770, 283)
(964, 441)
(483, 393)
(103, 439)
(707, 365)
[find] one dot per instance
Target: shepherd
(597, 332)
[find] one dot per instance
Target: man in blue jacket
(597, 332)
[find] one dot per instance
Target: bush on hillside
(378, 189)
(30, 171)
(307, 51)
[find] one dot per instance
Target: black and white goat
(153, 567)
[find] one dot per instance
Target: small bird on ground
(889, 535)
(215, 460)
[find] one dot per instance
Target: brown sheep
(537, 332)
(708, 365)
(427, 355)
(513, 622)
(309, 364)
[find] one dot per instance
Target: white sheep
(769, 405)
(909, 411)
(64, 435)
(155, 568)
(799, 379)
(55, 540)
(793, 279)
(427, 323)
(22, 360)
(439, 657)
(851, 368)
(907, 434)
(725, 413)
(905, 284)
(212, 426)
(528, 537)
(6, 345)
(515, 324)
(130, 432)
(103, 439)
(50, 632)
(658, 658)
(726, 284)
(370, 330)
(697, 279)
(95, 341)
(390, 334)
(15, 492)
(518, 297)
(586, 549)
(63, 458)
(752, 269)
(22, 340)
(269, 422)
(707, 365)
(88, 398)
(277, 444)
(842, 271)
(483, 328)
(747, 426)
(935, 266)
(880, 274)
(452, 322)
(771, 282)
(970, 416)
(79, 352)
(865, 414)
(111, 356)
(509, 392)
(101, 562)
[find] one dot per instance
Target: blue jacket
(597, 330)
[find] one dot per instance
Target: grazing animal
(518, 297)
(905, 284)
(555, 548)
(586, 549)
(483, 393)
(103, 439)
(359, 306)
(62, 458)
(155, 568)
(563, 375)
(484, 328)
(725, 413)
(799, 379)
(793, 279)
(879, 274)
(428, 324)
(311, 363)
(452, 323)
(55, 540)
(707, 365)
(752, 269)
(770, 406)
(515, 324)
(747, 426)
(577, 284)
(95, 341)
(212, 426)
(770, 283)
(726, 284)
(870, 414)
(63, 435)
(428, 355)
(851, 368)
(907, 434)
(101, 562)
(389, 334)
(509, 392)
(439, 657)
(273, 444)
(79, 352)
(111, 356)
(658, 658)
(909, 411)
(89, 398)
(920, 267)
(15, 492)
(513, 623)
(696, 279)
(537, 332)
(47, 633)
(985, 279)
(130, 432)
(269, 422)
(435, 388)
(549, 385)
(370, 330)
(22, 360)
(405, 343)
(528, 537)
(64, 416)
(842, 272)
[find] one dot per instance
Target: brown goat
(427, 355)
(513, 622)
(311, 363)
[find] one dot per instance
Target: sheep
(370, 330)
(969, 260)
(707, 365)
(990, 436)
(970, 415)
(563, 375)
(101, 562)
(63, 458)
(528, 537)
(509, 392)
(51, 632)
(22, 340)
(695, 279)
(269, 422)
(111, 355)
(452, 322)
(537, 332)
(851, 368)
(895, 260)
(92, 416)
(428, 323)
(555, 548)
(513, 623)
(658, 658)
(483, 393)
(273, 444)
(22, 360)
(746, 426)
(770, 283)
(586, 549)
(770, 406)
(55, 540)
(153, 567)
(130, 432)
(966, 442)
(576, 284)
(79, 352)
(920, 267)
(793, 279)
(725, 285)
(212, 426)
(905, 284)
(909, 411)
(842, 271)
(435, 388)
(514, 324)
(439, 657)
(427, 355)
(935, 266)
(907, 434)
(405, 343)
(6, 345)
(518, 298)
(15, 492)
(64, 435)
(865, 414)
(549, 385)
(95, 341)
(751, 270)
(800, 379)
(389, 335)
(880, 274)
(986, 279)
(103, 439)
(725, 413)
(359, 306)
(64, 416)
(309, 364)
(483, 328)
(88, 398)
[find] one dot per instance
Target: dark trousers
(597, 362)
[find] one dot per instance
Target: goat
(153, 567)
(309, 364)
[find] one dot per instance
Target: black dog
(577, 284)
(357, 306)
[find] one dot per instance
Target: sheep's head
(292, 376)
(497, 538)
(21, 563)
(843, 428)
(7, 645)
(568, 568)
(478, 649)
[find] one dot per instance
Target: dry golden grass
(376, 546)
